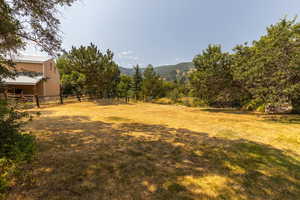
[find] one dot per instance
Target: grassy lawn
(160, 152)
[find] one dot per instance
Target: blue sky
(168, 31)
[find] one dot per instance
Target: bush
(175, 95)
(261, 108)
(163, 101)
(15, 147)
(187, 101)
(199, 103)
(254, 105)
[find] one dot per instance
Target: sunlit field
(149, 151)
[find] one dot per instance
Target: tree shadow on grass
(283, 118)
(83, 159)
(228, 111)
(110, 102)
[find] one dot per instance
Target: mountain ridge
(168, 72)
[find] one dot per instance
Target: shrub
(163, 101)
(175, 95)
(15, 147)
(187, 101)
(254, 105)
(261, 108)
(199, 103)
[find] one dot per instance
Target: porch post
(5, 94)
(36, 96)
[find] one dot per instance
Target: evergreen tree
(270, 69)
(72, 81)
(212, 80)
(137, 82)
(124, 86)
(30, 20)
(95, 71)
(27, 20)
(152, 86)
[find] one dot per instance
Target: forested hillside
(168, 72)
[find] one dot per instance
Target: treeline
(88, 71)
(264, 75)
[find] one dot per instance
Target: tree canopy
(137, 82)
(24, 21)
(89, 70)
(270, 69)
(30, 20)
(265, 73)
(124, 87)
(152, 83)
(212, 80)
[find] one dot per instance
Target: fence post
(78, 97)
(37, 101)
(61, 95)
(61, 98)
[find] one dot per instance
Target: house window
(50, 66)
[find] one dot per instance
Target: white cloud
(179, 60)
(128, 59)
(127, 55)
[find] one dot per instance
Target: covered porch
(23, 88)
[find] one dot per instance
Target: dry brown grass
(147, 151)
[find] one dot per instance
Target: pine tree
(137, 82)
(152, 86)
(212, 80)
(124, 87)
(270, 68)
(97, 72)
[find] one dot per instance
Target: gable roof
(22, 80)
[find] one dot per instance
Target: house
(35, 76)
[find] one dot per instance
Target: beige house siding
(33, 67)
(52, 83)
(40, 88)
